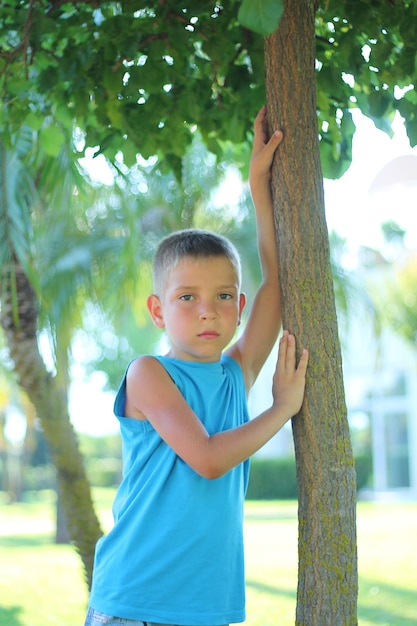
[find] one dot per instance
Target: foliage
(351, 294)
(34, 182)
(275, 479)
(261, 16)
(17, 191)
(401, 300)
(102, 457)
(272, 479)
(363, 465)
(141, 80)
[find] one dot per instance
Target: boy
(175, 553)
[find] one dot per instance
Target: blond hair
(194, 243)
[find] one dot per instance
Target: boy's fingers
(287, 354)
(290, 360)
(258, 124)
(261, 134)
(276, 138)
(282, 351)
(260, 116)
(302, 365)
(274, 141)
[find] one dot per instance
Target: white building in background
(380, 377)
(381, 373)
(381, 395)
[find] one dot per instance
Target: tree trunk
(50, 403)
(327, 573)
(62, 535)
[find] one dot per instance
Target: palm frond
(18, 194)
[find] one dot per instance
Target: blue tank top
(175, 553)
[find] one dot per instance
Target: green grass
(387, 549)
(42, 584)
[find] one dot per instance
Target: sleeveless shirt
(175, 552)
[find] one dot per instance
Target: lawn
(42, 584)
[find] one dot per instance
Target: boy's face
(200, 308)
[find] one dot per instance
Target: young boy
(175, 553)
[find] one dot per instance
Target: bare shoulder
(146, 379)
(142, 365)
(145, 371)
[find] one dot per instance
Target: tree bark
(327, 571)
(50, 402)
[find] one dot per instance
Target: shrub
(275, 479)
(363, 466)
(105, 472)
(272, 479)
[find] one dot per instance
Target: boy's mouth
(209, 334)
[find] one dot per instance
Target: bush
(275, 479)
(106, 472)
(39, 477)
(363, 465)
(102, 458)
(272, 479)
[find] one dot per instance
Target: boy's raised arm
(262, 328)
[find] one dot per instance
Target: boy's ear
(242, 302)
(155, 309)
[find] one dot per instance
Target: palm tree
(58, 256)
(23, 203)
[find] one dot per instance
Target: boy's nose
(208, 312)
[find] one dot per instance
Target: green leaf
(336, 147)
(51, 139)
(407, 109)
(34, 120)
(261, 16)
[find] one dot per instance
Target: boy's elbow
(210, 470)
(209, 461)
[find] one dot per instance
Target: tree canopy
(141, 80)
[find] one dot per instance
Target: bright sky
(351, 210)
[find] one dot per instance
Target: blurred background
(371, 216)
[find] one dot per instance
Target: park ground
(41, 584)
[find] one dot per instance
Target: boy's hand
(263, 149)
(289, 380)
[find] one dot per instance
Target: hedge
(275, 479)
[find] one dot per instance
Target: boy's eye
(225, 296)
(186, 297)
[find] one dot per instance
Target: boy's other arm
(151, 394)
(264, 322)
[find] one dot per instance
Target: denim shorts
(95, 618)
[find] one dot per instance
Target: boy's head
(190, 243)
